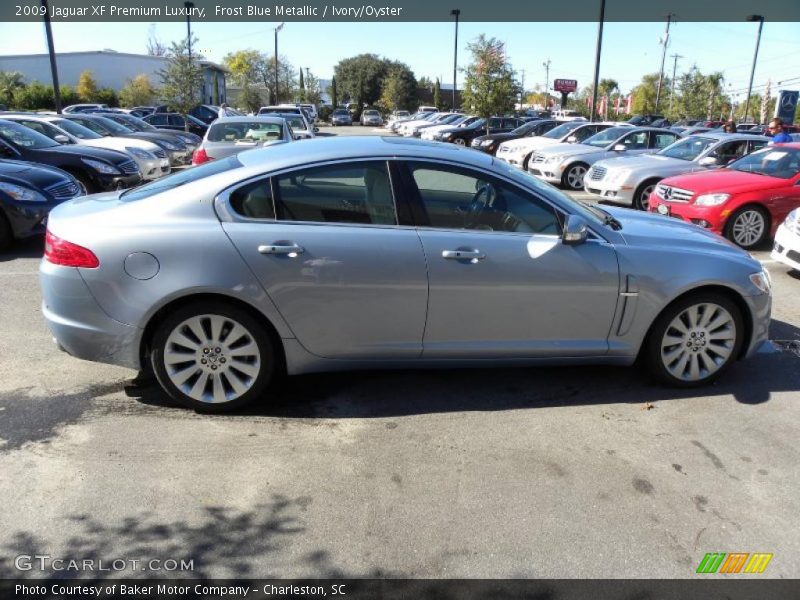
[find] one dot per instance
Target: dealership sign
(786, 105)
(565, 86)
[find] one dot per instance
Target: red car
(745, 201)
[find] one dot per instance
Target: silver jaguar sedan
(370, 252)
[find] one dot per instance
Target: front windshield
(371, 113)
(774, 161)
(114, 127)
(477, 124)
(635, 120)
(92, 124)
(76, 129)
(135, 124)
(688, 148)
(451, 120)
(21, 136)
(340, 112)
(605, 137)
(558, 132)
(244, 131)
(525, 128)
(179, 178)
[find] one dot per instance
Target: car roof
(256, 119)
(720, 135)
(358, 147)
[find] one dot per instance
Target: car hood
(417, 122)
(571, 149)
(725, 180)
(650, 163)
(649, 229)
(501, 137)
(112, 156)
(532, 143)
(31, 174)
(116, 143)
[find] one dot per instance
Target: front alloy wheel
(695, 340)
(642, 198)
(459, 142)
(748, 227)
(573, 176)
(212, 358)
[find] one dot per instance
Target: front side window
(662, 140)
(342, 193)
(688, 148)
(158, 119)
(730, 151)
(177, 120)
(605, 137)
(254, 200)
(456, 198)
(635, 141)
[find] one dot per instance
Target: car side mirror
(575, 231)
(707, 161)
(620, 148)
(61, 139)
(572, 139)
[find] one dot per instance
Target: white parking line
(19, 273)
(768, 262)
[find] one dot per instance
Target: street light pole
(663, 57)
(674, 69)
(52, 52)
(455, 12)
(546, 66)
(760, 20)
(277, 29)
(597, 58)
(189, 6)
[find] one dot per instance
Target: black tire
(260, 382)
(641, 195)
(570, 176)
(745, 212)
(652, 350)
(526, 162)
(6, 233)
(85, 181)
(460, 141)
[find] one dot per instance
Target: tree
(181, 79)
(361, 78)
(437, 94)
(10, 82)
(244, 66)
(313, 93)
(489, 85)
(425, 83)
(250, 99)
(302, 86)
(399, 88)
(155, 47)
(334, 93)
(107, 95)
(698, 95)
(87, 87)
(644, 94)
(137, 91)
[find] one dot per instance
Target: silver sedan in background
(231, 135)
(369, 252)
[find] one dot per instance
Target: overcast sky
(629, 49)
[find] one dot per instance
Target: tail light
(64, 253)
(200, 156)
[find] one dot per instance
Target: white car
(568, 115)
(406, 128)
(787, 241)
(518, 152)
(152, 160)
(429, 133)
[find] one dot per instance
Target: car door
(502, 285)
(326, 245)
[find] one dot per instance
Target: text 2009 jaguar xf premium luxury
(352, 253)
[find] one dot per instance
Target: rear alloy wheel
(573, 176)
(641, 198)
(459, 142)
(695, 340)
(213, 357)
(6, 233)
(747, 227)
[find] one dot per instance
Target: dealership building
(110, 69)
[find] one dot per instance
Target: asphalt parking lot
(559, 472)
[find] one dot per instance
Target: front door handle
(290, 250)
(473, 255)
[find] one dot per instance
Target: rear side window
(343, 193)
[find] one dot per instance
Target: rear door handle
(281, 249)
(463, 254)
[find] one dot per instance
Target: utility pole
(455, 12)
(189, 6)
(52, 52)
(663, 58)
(277, 29)
(675, 58)
(597, 57)
(522, 92)
(546, 66)
(760, 19)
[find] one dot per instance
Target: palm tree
(9, 82)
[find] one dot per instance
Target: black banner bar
(704, 587)
(397, 11)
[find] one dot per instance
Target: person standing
(779, 135)
(223, 110)
(730, 127)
